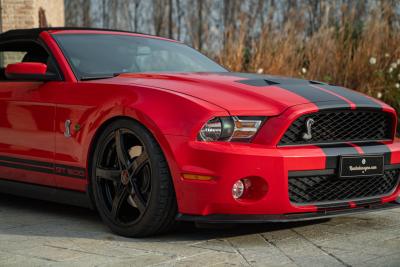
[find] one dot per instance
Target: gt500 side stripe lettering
(69, 171)
(44, 167)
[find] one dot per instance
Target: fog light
(238, 189)
(251, 188)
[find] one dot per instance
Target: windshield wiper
(88, 78)
(99, 77)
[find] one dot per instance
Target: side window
(24, 51)
(10, 57)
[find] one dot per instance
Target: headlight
(230, 129)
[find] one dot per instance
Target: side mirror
(31, 71)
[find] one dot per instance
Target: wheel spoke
(137, 198)
(120, 147)
(108, 174)
(123, 171)
(121, 195)
(138, 163)
(139, 202)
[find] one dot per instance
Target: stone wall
(18, 14)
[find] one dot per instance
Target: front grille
(329, 188)
(340, 126)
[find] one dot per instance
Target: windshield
(100, 55)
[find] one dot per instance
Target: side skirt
(46, 193)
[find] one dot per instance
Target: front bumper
(229, 162)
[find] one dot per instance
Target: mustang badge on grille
(308, 135)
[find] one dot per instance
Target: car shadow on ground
(77, 222)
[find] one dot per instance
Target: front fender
(172, 114)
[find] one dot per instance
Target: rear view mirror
(31, 71)
(143, 50)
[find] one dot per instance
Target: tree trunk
(200, 24)
(170, 10)
(179, 18)
(86, 20)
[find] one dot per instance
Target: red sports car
(149, 132)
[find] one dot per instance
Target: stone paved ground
(36, 233)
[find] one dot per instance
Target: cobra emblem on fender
(308, 135)
(67, 125)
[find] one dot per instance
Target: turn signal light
(198, 177)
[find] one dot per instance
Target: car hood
(260, 94)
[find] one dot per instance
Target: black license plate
(353, 166)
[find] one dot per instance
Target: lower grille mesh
(327, 188)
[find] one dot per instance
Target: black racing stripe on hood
(377, 148)
(332, 153)
(313, 94)
(303, 88)
(355, 97)
(251, 78)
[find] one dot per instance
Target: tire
(131, 187)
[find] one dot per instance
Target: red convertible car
(149, 132)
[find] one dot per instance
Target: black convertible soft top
(35, 32)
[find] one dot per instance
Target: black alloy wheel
(131, 184)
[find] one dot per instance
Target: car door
(27, 114)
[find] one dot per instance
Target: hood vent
(258, 82)
(316, 82)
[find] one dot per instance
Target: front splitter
(290, 217)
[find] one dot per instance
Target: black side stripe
(332, 153)
(43, 167)
(26, 161)
(25, 167)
